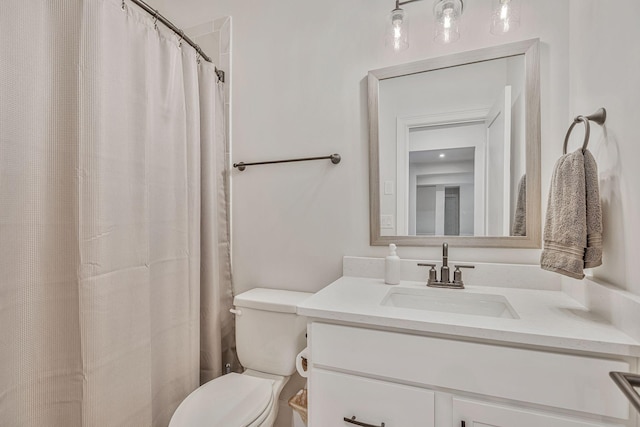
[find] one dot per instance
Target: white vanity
(408, 355)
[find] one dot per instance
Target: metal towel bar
(335, 159)
(599, 117)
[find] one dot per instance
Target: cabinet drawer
(334, 396)
(565, 381)
(477, 414)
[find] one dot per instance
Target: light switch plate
(388, 187)
(386, 221)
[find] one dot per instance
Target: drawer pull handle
(352, 420)
(627, 382)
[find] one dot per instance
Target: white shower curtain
(112, 217)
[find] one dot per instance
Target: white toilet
(269, 336)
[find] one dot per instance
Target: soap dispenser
(392, 267)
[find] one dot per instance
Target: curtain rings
(181, 34)
(199, 55)
(124, 6)
(155, 19)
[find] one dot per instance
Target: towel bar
(599, 117)
(335, 159)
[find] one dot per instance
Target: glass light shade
(447, 14)
(397, 37)
(505, 16)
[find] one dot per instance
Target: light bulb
(446, 25)
(397, 32)
(505, 16)
(447, 18)
(504, 11)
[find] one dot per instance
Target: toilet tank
(269, 333)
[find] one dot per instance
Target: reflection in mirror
(485, 121)
(441, 192)
(451, 144)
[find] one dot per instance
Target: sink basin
(450, 301)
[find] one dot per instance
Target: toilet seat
(258, 422)
(232, 400)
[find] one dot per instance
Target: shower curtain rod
(158, 17)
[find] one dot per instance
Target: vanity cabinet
(407, 380)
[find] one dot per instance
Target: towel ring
(599, 117)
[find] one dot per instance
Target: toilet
(269, 336)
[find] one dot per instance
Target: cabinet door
(335, 396)
(467, 413)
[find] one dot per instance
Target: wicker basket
(299, 404)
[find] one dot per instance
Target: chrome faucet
(445, 272)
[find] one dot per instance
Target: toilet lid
(232, 400)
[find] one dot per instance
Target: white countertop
(547, 318)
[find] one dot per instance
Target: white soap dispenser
(392, 267)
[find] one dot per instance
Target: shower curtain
(113, 217)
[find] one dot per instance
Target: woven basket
(299, 404)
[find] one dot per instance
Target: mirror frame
(530, 50)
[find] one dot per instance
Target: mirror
(455, 149)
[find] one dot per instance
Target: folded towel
(593, 251)
(519, 227)
(573, 213)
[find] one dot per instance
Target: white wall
(426, 208)
(299, 88)
(467, 209)
(605, 65)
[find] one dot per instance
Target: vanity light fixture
(505, 16)
(441, 155)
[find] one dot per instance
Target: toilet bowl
(269, 336)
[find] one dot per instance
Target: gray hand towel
(573, 213)
(593, 251)
(519, 227)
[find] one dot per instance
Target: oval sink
(450, 301)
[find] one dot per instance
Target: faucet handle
(457, 274)
(432, 272)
